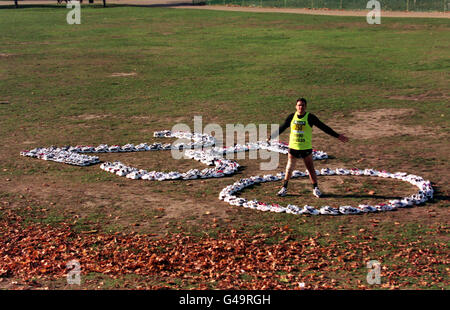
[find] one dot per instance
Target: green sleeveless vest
(301, 133)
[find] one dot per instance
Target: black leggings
(300, 153)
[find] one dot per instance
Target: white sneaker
(349, 210)
(293, 209)
(317, 192)
(327, 210)
(282, 192)
(309, 210)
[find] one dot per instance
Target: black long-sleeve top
(312, 121)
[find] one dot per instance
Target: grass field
(385, 87)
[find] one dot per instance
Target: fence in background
(388, 5)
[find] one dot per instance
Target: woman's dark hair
(303, 100)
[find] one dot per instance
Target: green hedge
(389, 5)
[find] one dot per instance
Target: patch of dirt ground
(380, 123)
(361, 13)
